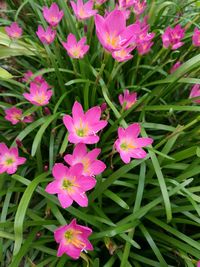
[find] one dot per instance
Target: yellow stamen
(72, 237)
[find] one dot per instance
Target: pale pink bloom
(195, 92)
(112, 31)
(29, 74)
(53, 15)
(126, 3)
(75, 49)
(39, 94)
(139, 7)
(172, 37)
(196, 37)
(46, 37)
(175, 66)
(73, 239)
(129, 145)
(83, 10)
(128, 99)
(14, 115)
(14, 31)
(91, 166)
(9, 159)
(83, 127)
(123, 54)
(70, 185)
(144, 47)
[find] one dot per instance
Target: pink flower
(196, 37)
(70, 185)
(175, 66)
(82, 126)
(28, 75)
(53, 15)
(112, 31)
(14, 115)
(83, 10)
(198, 264)
(91, 166)
(14, 31)
(144, 47)
(9, 159)
(139, 7)
(128, 99)
(46, 37)
(39, 94)
(123, 54)
(195, 92)
(172, 37)
(73, 239)
(126, 3)
(75, 49)
(129, 145)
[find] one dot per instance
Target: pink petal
(81, 199)
(80, 150)
(3, 148)
(59, 171)
(65, 200)
(138, 153)
(68, 122)
(93, 154)
(98, 167)
(115, 22)
(125, 157)
(133, 130)
(87, 183)
(141, 142)
(77, 112)
(93, 115)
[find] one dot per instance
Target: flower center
(9, 160)
(72, 237)
(67, 184)
(39, 98)
(54, 19)
(16, 116)
(82, 12)
(86, 164)
(127, 146)
(112, 40)
(76, 51)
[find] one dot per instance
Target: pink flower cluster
(39, 91)
(53, 16)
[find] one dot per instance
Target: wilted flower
(9, 159)
(73, 239)
(128, 99)
(83, 127)
(83, 10)
(75, 49)
(139, 7)
(14, 31)
(196, 37)
(129, 145)
(46, 37)
(53, 15)
(195, 92)
(39, 94)
(112, 31)
(14, 115)
(175, 67)
(172, 37)
(70, 185)
(123, 54)
(91, 166)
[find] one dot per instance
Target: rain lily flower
(14, 115)
(75, 49)
(73, 239)
(195, 92)
(70, 185)
(39, 94)
(129, 145)
(29, 74)
(175, 66)
(9, 159)
(53, 15)
(139, 7)
(128, 99)
(198, 264)
(172, 37)
(82, 126)
(144, 47)
(91, 166)
(46, 37)
(112, 31)
(14, 31)
(123, 54)
(196, 37)
(126, 3)
(83, 10)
